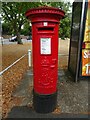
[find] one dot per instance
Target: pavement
(72, 99)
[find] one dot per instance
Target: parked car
(13, 39)
(29, 37)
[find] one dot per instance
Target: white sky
(71, 1)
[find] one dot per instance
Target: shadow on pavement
(26, 112)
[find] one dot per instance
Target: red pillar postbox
(45, 24)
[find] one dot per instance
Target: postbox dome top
(45, 10)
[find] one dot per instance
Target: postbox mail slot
(46, 29)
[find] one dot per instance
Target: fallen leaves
(57, 111)
(11, 81)
(12, 77)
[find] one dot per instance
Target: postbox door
(45, 77)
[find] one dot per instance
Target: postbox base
(44, 103)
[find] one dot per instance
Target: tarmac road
(7, 42)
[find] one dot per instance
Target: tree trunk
(19, 41)
(17, 30)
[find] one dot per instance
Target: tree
(14, 13)
(6, 29)
(26, 29)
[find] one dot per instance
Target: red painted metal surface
(45, 23)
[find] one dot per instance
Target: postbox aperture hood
(34, 14)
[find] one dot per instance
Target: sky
(71, 1)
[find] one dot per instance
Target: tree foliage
(6, 29)
(14, 14)
(27, 29)
(64, 29)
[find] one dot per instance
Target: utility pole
(1, 41)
